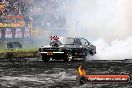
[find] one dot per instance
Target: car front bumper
(52, 54)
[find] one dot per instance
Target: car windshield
(66, 40)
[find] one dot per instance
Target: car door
(77, 49)
(85, 46)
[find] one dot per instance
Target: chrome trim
(58, 52)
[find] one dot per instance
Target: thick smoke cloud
(116, 50)
(105, 22)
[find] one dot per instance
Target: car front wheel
(68, 56)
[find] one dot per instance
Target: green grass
(22, 53)
(19, 50)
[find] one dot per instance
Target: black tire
(88, 55)
(68, 57)
(45, 59)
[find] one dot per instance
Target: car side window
(84, 42)
(77, 41)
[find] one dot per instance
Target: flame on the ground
(81, 71)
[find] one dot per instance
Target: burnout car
(67, 49)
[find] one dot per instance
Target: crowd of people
(47, 15)
(43, 16)
(43, 13)
(14, 7)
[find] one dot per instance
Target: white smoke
(116, 50)
(107, 23)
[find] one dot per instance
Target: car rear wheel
(86, 58)
(92, 52)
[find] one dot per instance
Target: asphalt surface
(37, 74)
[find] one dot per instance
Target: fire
(81, 71)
